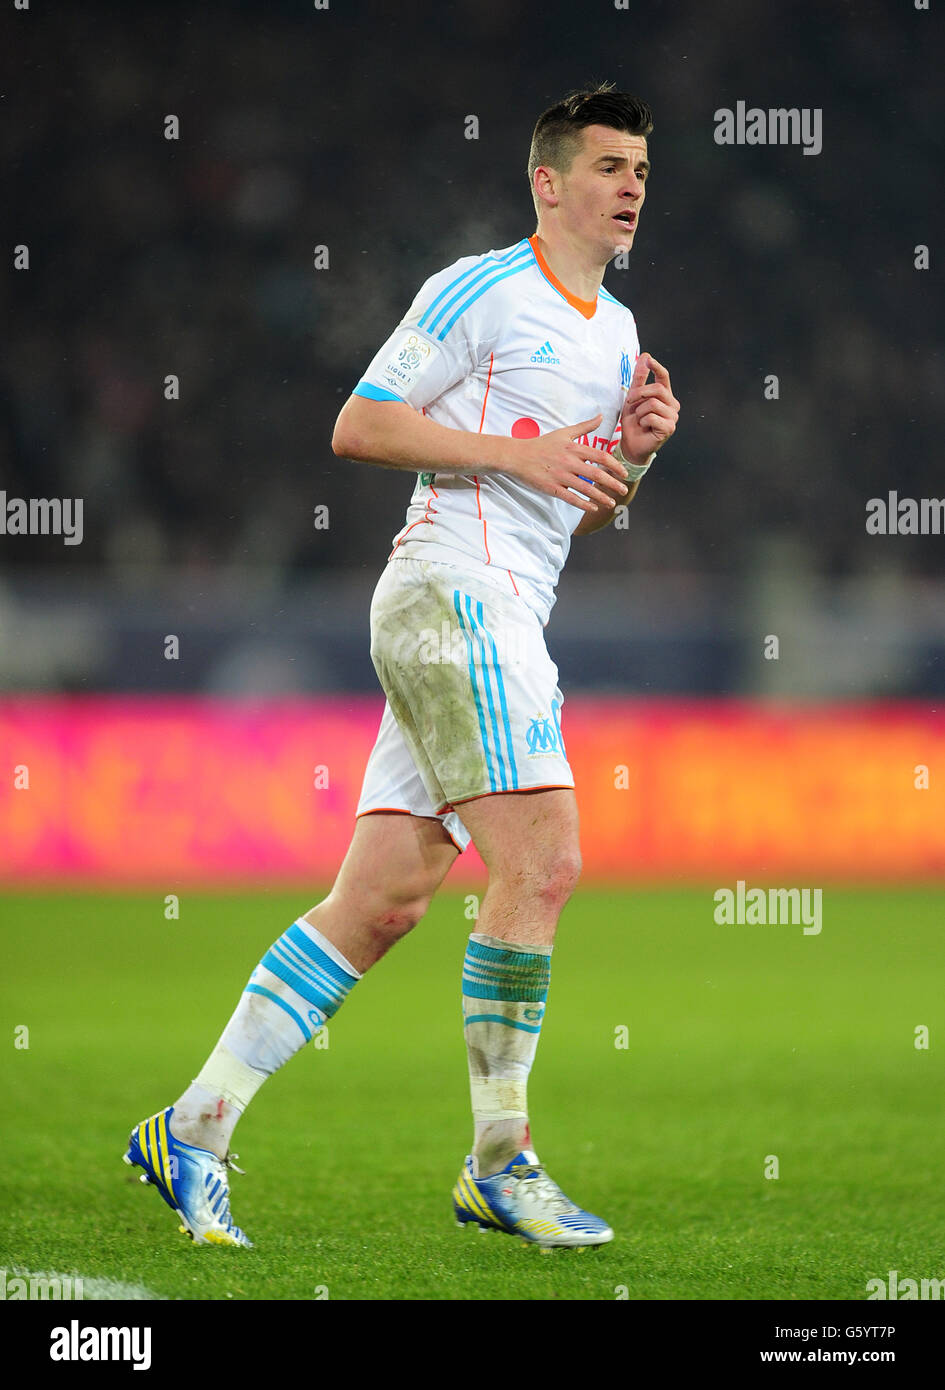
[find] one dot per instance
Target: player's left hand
(649, 412)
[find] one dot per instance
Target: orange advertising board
(155, 791)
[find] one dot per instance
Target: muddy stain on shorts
(422, 660)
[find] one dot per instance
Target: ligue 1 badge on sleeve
(410, 355)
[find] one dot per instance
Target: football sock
(299, 984)
(504, 991)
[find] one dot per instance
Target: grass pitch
(743, 1043)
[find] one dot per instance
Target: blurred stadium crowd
(344, 128)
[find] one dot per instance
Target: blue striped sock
(505, 987)
(505, 971)
(299, 984)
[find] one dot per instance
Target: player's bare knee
(397, 920)
(561, 876)
(398, 910)
(547, 878)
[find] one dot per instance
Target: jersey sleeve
(430, 351)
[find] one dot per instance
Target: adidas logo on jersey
(545, 356)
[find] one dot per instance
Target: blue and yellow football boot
(523, 1201)
(193, 1182)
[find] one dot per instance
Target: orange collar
(587, 307)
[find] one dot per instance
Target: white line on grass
(93, 1289)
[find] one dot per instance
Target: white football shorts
(473, 704)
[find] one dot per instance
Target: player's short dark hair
(557, 133)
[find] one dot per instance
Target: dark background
(345, 128)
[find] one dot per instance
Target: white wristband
(635, 471)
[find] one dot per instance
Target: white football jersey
(495, 344)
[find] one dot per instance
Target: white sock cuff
(224, 1074)
(325, 945)
(498, 945)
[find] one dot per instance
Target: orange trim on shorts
(401, 811)
(458, 847)
(512, 791)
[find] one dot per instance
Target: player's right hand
(554, 463)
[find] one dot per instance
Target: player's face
(603, 191)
